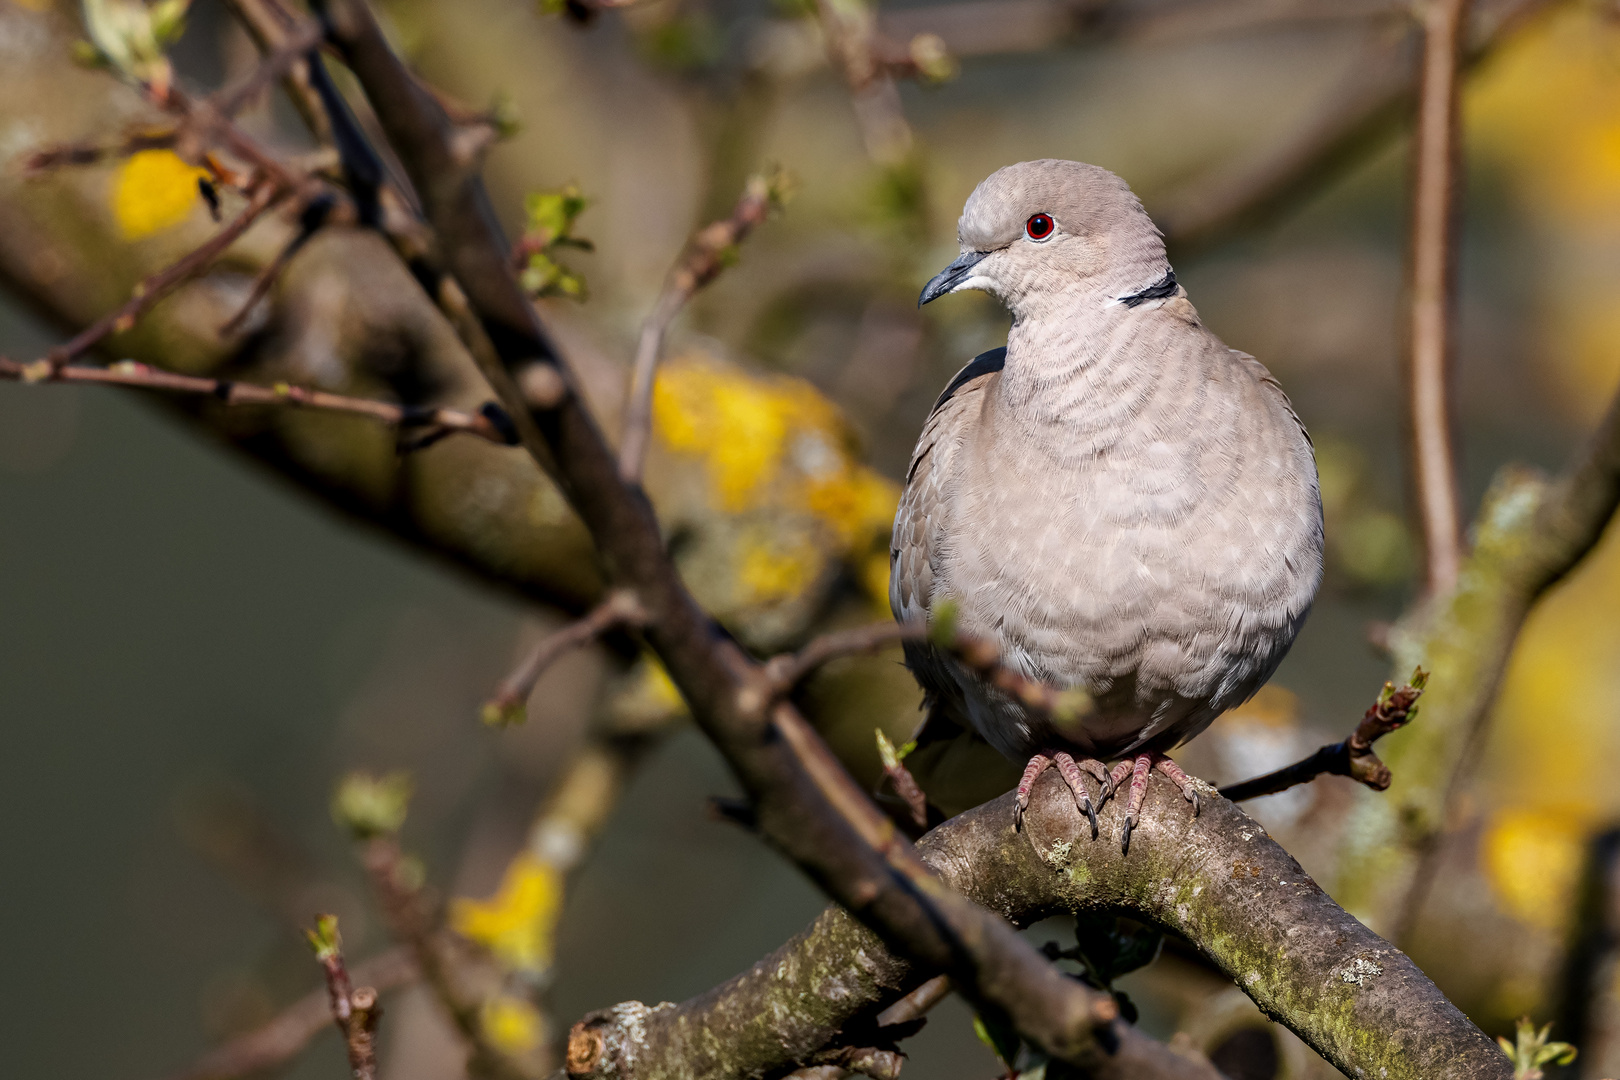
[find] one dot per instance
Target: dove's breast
(1151, 534)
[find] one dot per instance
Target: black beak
(950, 277)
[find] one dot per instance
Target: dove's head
(1045, 232)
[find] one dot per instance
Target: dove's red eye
(1039, 227)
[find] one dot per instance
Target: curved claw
(1091, 813)
(1125, 836)
(1019, 806)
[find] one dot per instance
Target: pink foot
(1137, 769)
(1070, 770)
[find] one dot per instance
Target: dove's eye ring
(1040, 227)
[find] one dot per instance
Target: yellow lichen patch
(774, 445)
(152, 191)
(511, 1024)
(1548, 107)
(518, 924)
(855, 502)
(1532, 859)
(874, 574)
(773, 568)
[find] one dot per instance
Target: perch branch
(490, 423)
(511, 697)
(1433, 279)
(1218, 880)
(706, 254)
(1352, 757)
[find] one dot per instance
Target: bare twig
(1353, 757)
(709, 252)
(790, 669)
(413, 922)
(269, 24)
(427, 424)
(310, 219)
(1433, 273)
(284, 1036)
(90, 152)
(160, 284)
(278, 61)
(511, 698)
(354, 1009)
(853, 44)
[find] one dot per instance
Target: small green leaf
(324, 939)
(371, 806)
(999, 1036)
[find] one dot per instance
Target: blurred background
(193, 650)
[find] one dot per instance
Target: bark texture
(1218, 880)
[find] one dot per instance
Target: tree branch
(1433, 279)
(1530, 533)
(354, 1009)
(1217, 880)
(1375, 99)
(284, 1036)
(429, 425)
(157, 286)
(1352, 757)
(705, 256)
(512, 696)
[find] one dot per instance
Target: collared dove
(1116, 500)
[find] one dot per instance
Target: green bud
(371, 806)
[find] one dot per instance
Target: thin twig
(621, 608)
(298, 41)
(284, 1036)
(850, 27)
(789, 669)
(310, 219)
(354, 1009)
(1353, 757)
(269, 24)
(90, 152)
(428, 424)
(1433, 272)
(160, 284)
(709, 252)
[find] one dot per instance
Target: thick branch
(1218, 880)
(1529, 534)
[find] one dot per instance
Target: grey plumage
(1123, 504)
